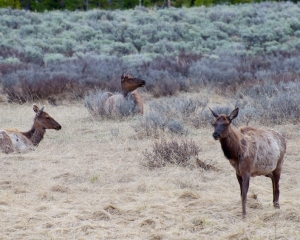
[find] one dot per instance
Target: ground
(86, 181)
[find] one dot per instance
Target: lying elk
(128, 84)
(15, 141)
(252, 152)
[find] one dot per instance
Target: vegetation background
(160, 175)
(42, 5)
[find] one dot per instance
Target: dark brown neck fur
(35, 134)
(230, 145)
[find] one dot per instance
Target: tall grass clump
(179, 152)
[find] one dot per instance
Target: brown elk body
(12, 140)
(128, 84)
(252, 152)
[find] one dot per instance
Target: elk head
(44, 119)
(222, 123)
(129, 83)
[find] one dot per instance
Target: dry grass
(84, 182)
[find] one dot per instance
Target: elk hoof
(276, 205)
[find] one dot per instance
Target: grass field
(86, 181)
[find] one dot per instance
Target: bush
(270, 103)
(174, 50)
(126, 108)
(53, 58)
(33, 54)
(151, 124)
(172, 115)
(165, 152)
(94, 101)
(30, 85)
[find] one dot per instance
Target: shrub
(176, 127)
(53, 58)
(172, 49)
(168, 87)
(151, 124)
(10, 60)
(172, 115)
(85, 33)
(120, 49)
(33, 54)
(30, 85)
(126, 108)
(177, 152)
(270, 103)
(94, 101)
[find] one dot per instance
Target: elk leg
(240, 179)
(275, 182)
(245, 187)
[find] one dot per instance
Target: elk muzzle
(216, 136)
(143, 83)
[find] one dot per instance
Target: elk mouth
(216, 136)
(57, 128)
(143, 83)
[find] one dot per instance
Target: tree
(203, 2)
(10, 3)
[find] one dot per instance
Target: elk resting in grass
(252, 152)
(128, 84)
(12, 140)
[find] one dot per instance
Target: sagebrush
(180, 152)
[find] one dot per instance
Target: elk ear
(35, 108)
(123, 76)
(213, 113)
(234, 114)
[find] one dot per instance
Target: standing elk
(12, 140)
(252, 152)
(128, 85)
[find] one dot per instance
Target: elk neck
(138, 101)
(35, 134)
(231, 145)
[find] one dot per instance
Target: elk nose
(216, 135)
(58, 128)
